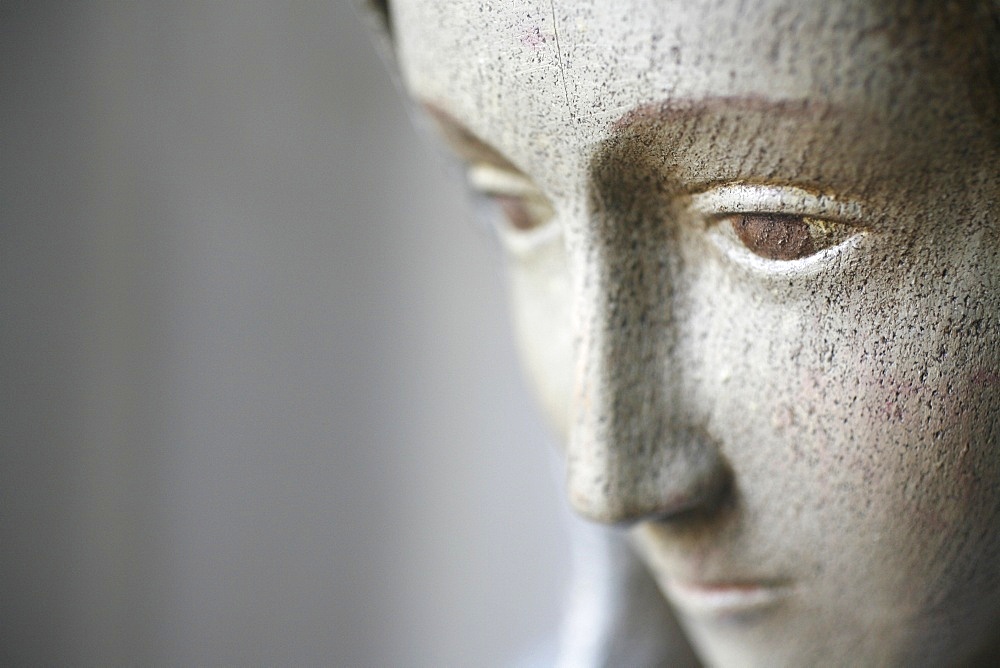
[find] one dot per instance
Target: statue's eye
(780, 230)
(523, 213)
(521, 203)
(777, 236)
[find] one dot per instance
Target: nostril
(683, 477)
(707, 501)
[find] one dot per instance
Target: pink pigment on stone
(534, 38)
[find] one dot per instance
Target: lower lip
(725, 599)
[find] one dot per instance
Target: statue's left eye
(778, 236)
(523, 213)
(522, 204)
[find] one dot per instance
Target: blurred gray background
(260, 403)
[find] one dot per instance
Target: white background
(260, 402)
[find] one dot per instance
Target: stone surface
(760, 302)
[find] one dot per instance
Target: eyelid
(493, 180)
(717, 204)
(789, 200)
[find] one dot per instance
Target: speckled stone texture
(760, 302)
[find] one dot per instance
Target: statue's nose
(637, 447)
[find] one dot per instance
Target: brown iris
(775, 236)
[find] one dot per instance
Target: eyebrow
(686, 145)
(469, 146)
(690, 144)
(665, 110)
(473, 149)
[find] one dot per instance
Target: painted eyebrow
(644, 124)
(699, 143)
(665, 110)
(466, 143)
(473, 149)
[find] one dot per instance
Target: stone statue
(754, 253)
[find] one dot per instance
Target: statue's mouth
(726, 600)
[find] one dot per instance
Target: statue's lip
(724, 598)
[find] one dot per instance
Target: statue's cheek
(540, 301)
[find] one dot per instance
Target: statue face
(755, 272)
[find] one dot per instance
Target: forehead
(546, 81)
(574, 67)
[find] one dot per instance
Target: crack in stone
(562, 69)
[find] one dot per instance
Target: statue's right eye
(778, 236)
(522, 204)
(772, 227)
